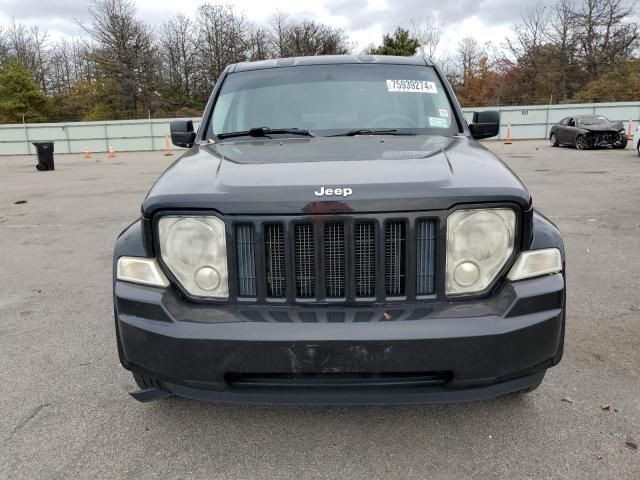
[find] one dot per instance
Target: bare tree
(428, 31)
(4, 46)
(222, 39)
(529, 34)
(179, 53)
(29, 46)
(61, 68)
(292, 38)
(562, 33)
(606, 37)
(469, 55)
(124, 52)
(258, 44)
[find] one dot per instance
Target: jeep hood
(385, 174)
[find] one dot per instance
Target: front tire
(554, 140)
(581, 142)
(620, 145)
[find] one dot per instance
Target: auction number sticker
(411, 86)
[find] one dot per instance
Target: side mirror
(485, 124)
(182, 133)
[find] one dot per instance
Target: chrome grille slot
(275, 260)
(365, 252)
(334, 260)
(246, 260)
(395, 254)
(425, 257)
(305, 261)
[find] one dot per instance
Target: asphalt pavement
(66, 413)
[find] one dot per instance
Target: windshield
(335, 99)
(593, 121)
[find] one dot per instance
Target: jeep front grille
(333, 259)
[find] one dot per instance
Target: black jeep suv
(336, 234)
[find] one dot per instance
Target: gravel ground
(63, 396)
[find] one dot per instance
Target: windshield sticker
(411, 86)
(438, 122)
(444, 112)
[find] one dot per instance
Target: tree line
(123, 68)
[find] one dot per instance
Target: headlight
(479, 243)
(195, 250)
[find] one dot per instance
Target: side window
(564, 122)
(572, 122)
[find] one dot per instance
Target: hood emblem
(333, 192)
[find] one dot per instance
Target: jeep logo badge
(333, 192)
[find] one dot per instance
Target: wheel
(42, 167)
(620, 145)
(638, 148)
(146, 381)
(581, 142)
(554, 140)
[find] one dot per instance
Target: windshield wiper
(367, 131)
(265, 132)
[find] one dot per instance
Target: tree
(563, 34)
(79, 102)
(179, 54)
(4, 47)
(258, 44)
(221, 40)
(428, 31)
(294, 38)
(124, 53)
(529, 35)
(622, 84)
(29, 46)
(606, 36)
(20, 96)
(400, 43)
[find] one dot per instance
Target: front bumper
(273, 354)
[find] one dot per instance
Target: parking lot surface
(65, 411)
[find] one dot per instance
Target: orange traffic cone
(167, 149)
(112, 153)
(86, 153)
(508, 142)
(630, 129)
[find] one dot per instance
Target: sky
(364, 20)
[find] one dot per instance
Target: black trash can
(45, 156)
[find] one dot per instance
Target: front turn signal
(535, 263)
(144, 271)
